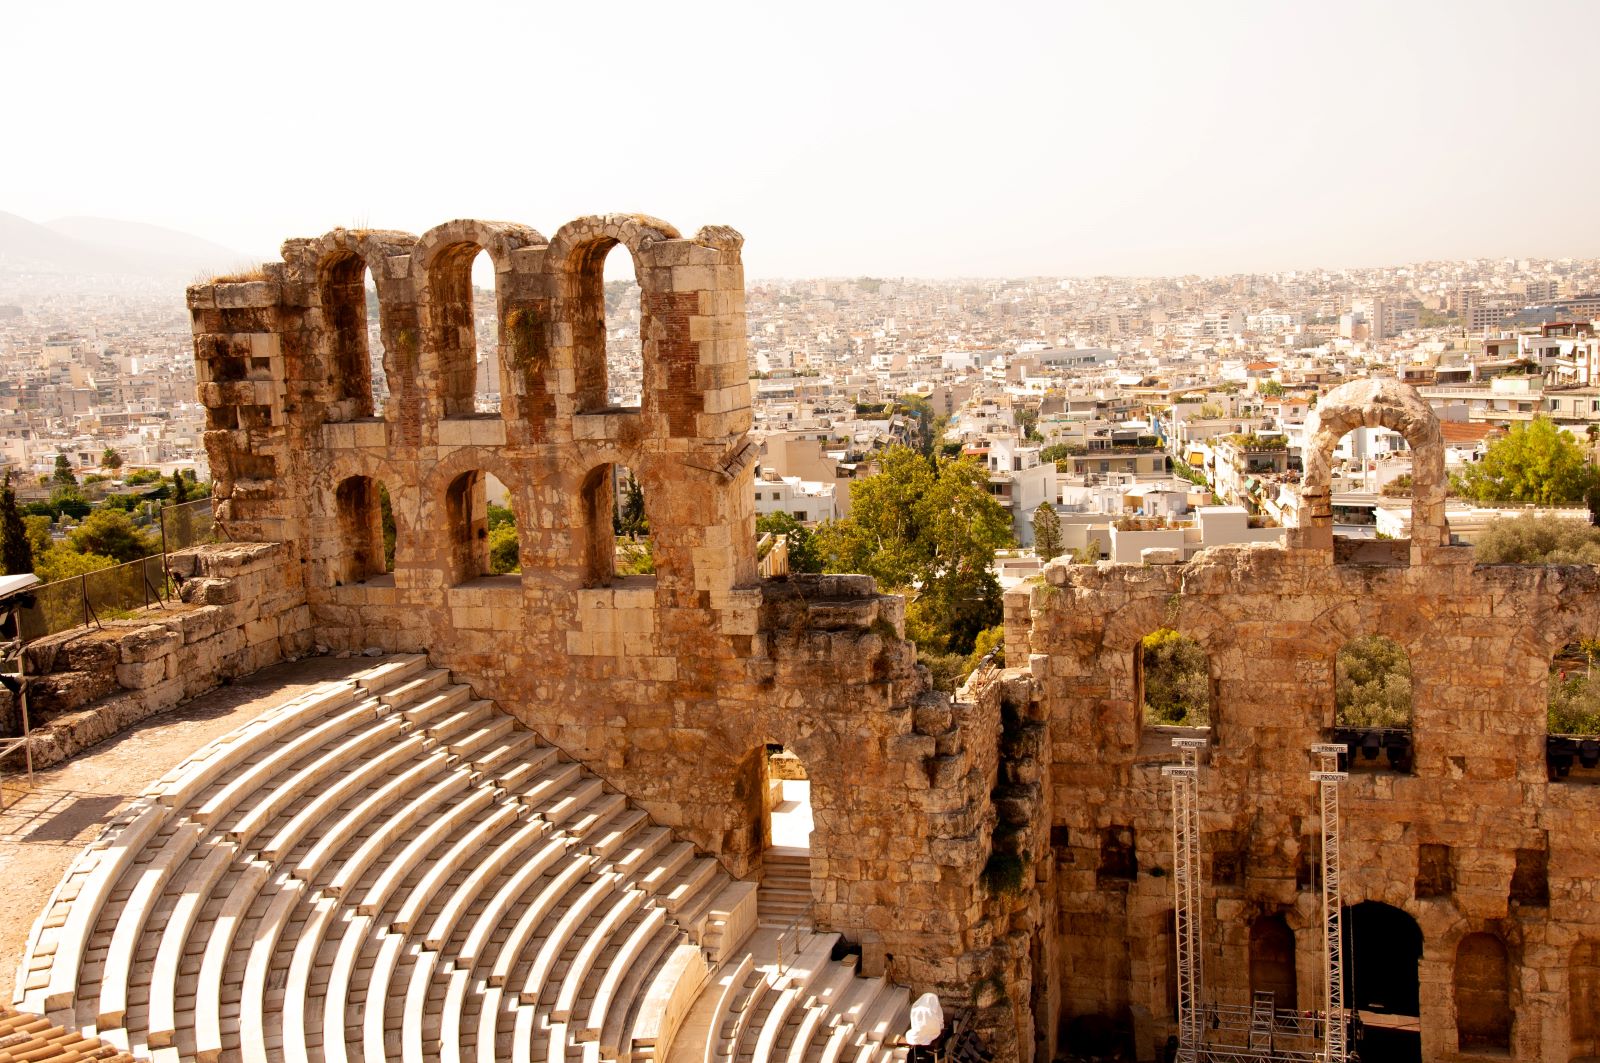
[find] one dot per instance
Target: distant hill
(76, 248)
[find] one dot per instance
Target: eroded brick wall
(1475, 839)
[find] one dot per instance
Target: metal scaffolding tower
(1185, 778)
(1328, 778)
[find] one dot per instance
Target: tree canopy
(16, 552)
(111, 533)
(1372, 683)
(110, 459)
(1177, 679)
(1046, 531)
(930, 526)
(1535, 462)
(63, 472)
(802, 552)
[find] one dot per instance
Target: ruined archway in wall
(365, 524)
(615, 522)
(579, 251)
(342, 286)
(1372, 402)
(1174, 683)
(1272, 961)
(1384, 949)
(1483, 994)
(442, 264)
(1372, 702)
(355, 302)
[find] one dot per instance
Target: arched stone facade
(1373, 402)
(1010, 849)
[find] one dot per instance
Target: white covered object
(927, 1020)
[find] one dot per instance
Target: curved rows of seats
(384, 868)
(810, 1008)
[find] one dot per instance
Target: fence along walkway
(110, 592)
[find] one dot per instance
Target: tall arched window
(1173, 677)
(616, 528)
(357, 385)
(1372, 702)
(365, 527)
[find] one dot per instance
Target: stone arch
(1125, 631)
(1272, 960)
(595, 496)
(456, 488)
(577, 254)
(358, 509)
(1382, 975)
(1483, 993)
(337, 265)
(1372, 402)
(442, 265)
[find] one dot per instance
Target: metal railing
(792, 931)
(116, 592)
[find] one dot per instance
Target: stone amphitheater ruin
(539, 827)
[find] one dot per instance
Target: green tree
(1269, 388)
(38, 533)
(180, 488)
(631, 519)
(110, 459)
(1177, 679)
(61, 562)
(1573, 699)
(16, 551)
(63, 474)
(1531, 539)
(505, 550)
(141, 476)
(386, 516)
(67, 500)
(1046, 531)
(930, 527)
(1210, 411)
(1372, 683)
(1535, 462)
(112, 533)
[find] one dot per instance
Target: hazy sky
(926, 138)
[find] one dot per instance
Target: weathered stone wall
(1271, 620)
(241, 608)
(669, 686)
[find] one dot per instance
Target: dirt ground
(44, 827)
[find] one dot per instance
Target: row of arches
(467, 330)
(480, 533)
(1384, 950)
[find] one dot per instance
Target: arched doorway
(1483, 994)
(1383, 949)
(1272, 961)
(785, 894)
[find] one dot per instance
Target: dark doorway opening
(1383, 946)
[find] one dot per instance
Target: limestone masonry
(1011, 849)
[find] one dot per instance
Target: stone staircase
(785, 893)
(389, 868)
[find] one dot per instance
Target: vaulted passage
(1272, 961)
(365, 531)
(1482, 993)
(357, 389)
(1381, 983)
